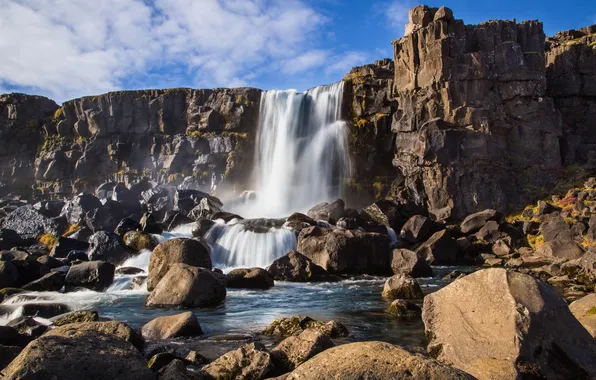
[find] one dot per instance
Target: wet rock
(476, 221)
(76, 209)
(72, 355)
(195, 358)
(76, 317)
(186, 200)
(175, 219)
(129, 270)
(251, 361)
(94, 275)
(118, 329)
(378, 360)
(404, 309)
(174, 370)
(402, 287)
(410, 263)
(27, 326)
(126, 225)
(28, 223)
(44, 310)
(584, 310)
(295, 325)
(417, 229)
(454, 275)
(295, 267)
(340, 251)
(28, 267)
(51, 282)
(201, 227)
(51, 209)
(7, 335)
(107, 246)
(298, 222)
(253, 278)
(49, 262)
(159, 361)
(74, 256)
(9, 275)
(105, 218)
(187, 286)
(440, 249)
(177, 251)
(526, 328)
(329, 212)
(295, 350)
(206, 209)
(138, 282)
(139, 241)
(149, 224)
(170, 327)
(7, 355)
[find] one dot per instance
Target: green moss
(592, 311)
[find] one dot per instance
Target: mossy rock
(139, 241)
(7, 292)
(293, 326)
(77, 316)
(404, 309)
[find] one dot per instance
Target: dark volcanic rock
(295, 267)
(108, 246)
(29, 223)
(329, 212)
(65, 245)
(253, 278)
(95, 275)
(76, 209)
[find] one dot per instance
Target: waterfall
(302, 152)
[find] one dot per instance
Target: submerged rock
(499, 322)
(175, 326)
(253, 278)
(402, 286)
(295, 325)
(295, 267)
(373, 360)
(404, 308)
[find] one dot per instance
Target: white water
(302, 152)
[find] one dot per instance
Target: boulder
(373, 360)
(174, 219)
(388, 213)
(556, 228)
(174, 370)
(186, 200)
(170, 327)
(251, 361)
(107, 246)
(253, 278)
(473, 223)
(187, 286)
(27, 326)
(74, 355)
(75, 317)
(10, 239)
(417, 229)
(404, 309)
(8, 354)
(149, 225)
(177, 251)
(118, 329)
(51, 282)
(346, 252)
(561, 249)
(295, 350)
(295, 267)
(125, 225)
(298, 222)
(206, 209)
(497, 321)
(584, 310)
(28, 267)
(295, 325)
(404, 261)
(440, 249)
(28, 223)
(49, 262)
(51, 209)
(201, 227)
(7, 335)
(329, 212)
(402, 286)
(43, 310)
(94, 275)
(9, 275)
(105, 218)
(76, 256)
(76, 209)
(161, 360)
(139, 241)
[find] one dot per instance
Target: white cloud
(72, 48)
(344, 63)
(397, 14)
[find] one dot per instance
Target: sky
(66, 49)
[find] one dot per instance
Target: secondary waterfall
(302, 152)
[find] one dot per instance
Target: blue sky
(70, 48)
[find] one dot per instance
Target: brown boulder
(402, 286)
(253, 278)
(410, 263)
(118, 329)
(476, 221)
(295, 350)
(295, 267)
(373, 360)
(177, 251)
(440, 249)
(496, 320)
(251, 361)
(297, 324)
(174, 326)
(584, 309)
(417, 229)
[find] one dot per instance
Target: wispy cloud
(396, 13)
(68, 49)
(343, 63)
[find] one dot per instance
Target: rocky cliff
(164, 135)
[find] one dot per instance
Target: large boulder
(584, 309)
(373, 360)
(329, 212)
(251, 361)
(28, 267)
(561, 249)
(94, 275)
(76, 209)
(496, 323)
(403, 287)
(440, 249)
(138, 241)
(417, 229)
(344, 251)
(29, 223)
(474, 222)
(65, 245)
(295, 350)
(404, 261)
(9, 275)
(188, 286)
(107, 246)
(177, 251)
(295, 267)
(556, 228)
(51, 282)
(117, 329)
(174, 326)
(253, 278)
(74, 355)
(105, 218)
(297, 324)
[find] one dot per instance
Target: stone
(170, 327)
(160, 360)
(329, 212)
(73, 355)
(174, 370)
(295, 325)
(373, 360)
(298, 221)
(28, 223)
(474, 222)
(28, 267)
(187, 286)
(49, 263)
(107, 246)
(44, 310)
(253, 278)
(417, 229)
(76, 256)
(139, 241)
(105, 218)
(496, 320)
(177, 251)
(7, 335)
(410, 263)
(76, 317)
(149, 225)
(27, 326)
(251, 361)
(51, 282)
(439, 249)
(584, 310)
(340, 251)
(94, 275)
(402, 286)
(568, 250)
(295, 350)
(295, 267)
(126, 225)
(9, 275)
(118, 329)
(201, 227)
(404, 309)
(75, 210)
(8, 354)
(64, 245)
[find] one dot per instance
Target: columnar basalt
(474, 128)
